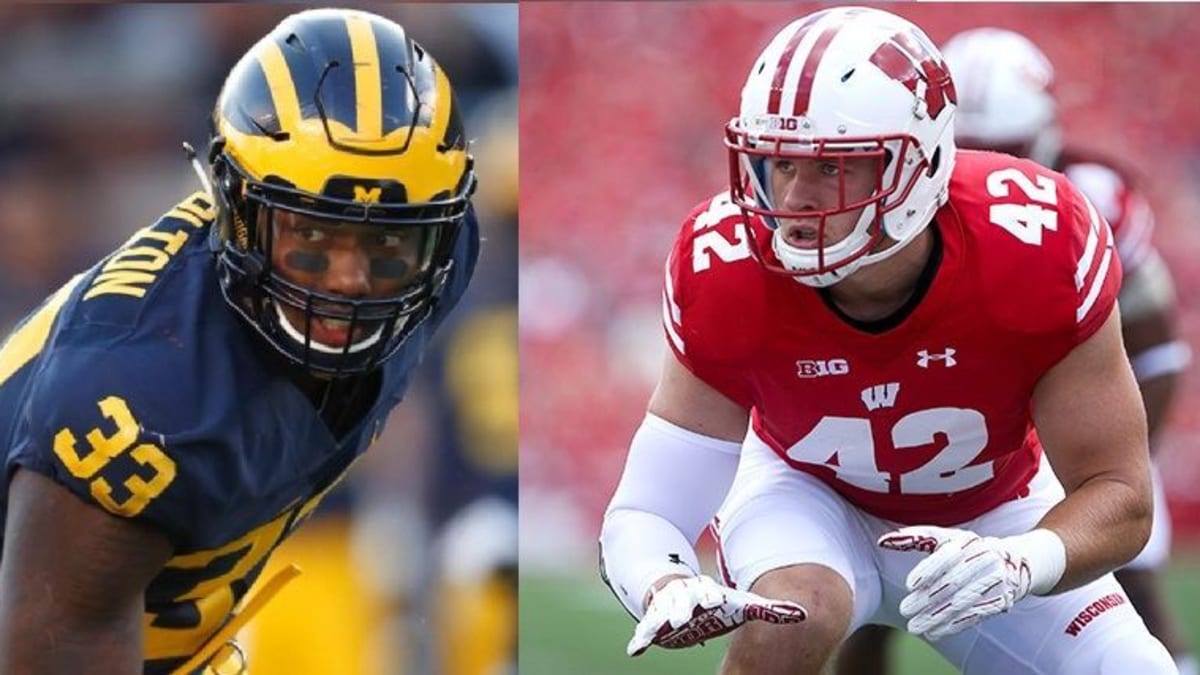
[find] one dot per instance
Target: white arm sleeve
(674, 481)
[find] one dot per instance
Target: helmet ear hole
(935, 161)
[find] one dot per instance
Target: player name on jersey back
(133, 267)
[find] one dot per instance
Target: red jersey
(929, 420)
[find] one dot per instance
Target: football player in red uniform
(1005, 102)
(879, 346)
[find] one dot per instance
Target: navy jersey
(139, 390)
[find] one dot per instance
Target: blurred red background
(621, 118)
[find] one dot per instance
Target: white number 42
(847, 446)
(713, 242)
(1023, 221)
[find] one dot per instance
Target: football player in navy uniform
(174, 412)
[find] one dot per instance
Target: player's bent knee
(819, 588)
(822, 591)
(759, 647)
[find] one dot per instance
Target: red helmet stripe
(785, 59)
(804, 88)
(781, 68)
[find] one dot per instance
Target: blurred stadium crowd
(631, 140)
(96, 102)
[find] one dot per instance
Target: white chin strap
(801, 259)
(323, 348)
(832, 277)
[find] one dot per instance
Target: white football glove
(689, 611)
(968, 578)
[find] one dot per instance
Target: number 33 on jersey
(935, 402)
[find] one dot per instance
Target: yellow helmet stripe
(283, 90)
(368, 89)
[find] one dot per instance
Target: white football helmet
(843, 83)
(1004, 87)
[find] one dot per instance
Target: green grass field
(574, 626)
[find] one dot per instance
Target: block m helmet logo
(367, 195)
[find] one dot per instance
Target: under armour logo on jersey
(946, 357)
(880, 395)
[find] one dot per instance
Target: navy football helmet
(339, 118)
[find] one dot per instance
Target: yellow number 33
(105, 448)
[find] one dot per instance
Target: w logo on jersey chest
(880, 395)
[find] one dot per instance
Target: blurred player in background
(1006, 104)
(951, 307)
(179, 409)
